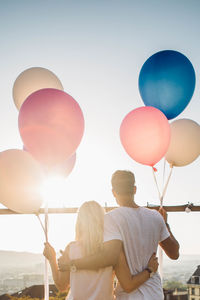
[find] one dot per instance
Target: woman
(87, 284)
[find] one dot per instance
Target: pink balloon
(145, 135)
(51, 125)
(65, 168)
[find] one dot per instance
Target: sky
(97, 48)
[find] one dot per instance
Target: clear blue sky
(97, 49)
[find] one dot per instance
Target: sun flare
(54, 191)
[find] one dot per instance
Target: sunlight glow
(54, 191)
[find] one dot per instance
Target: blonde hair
(90, 227)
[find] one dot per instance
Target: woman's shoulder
(70, 245)
(73, 250)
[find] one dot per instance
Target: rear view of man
(139, 230)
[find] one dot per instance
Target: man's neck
(129, 203)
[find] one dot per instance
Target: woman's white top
(87, 284)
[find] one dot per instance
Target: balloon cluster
(51, 125)
(166, 85)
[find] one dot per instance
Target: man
(139, 231)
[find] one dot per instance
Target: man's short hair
(123, 182)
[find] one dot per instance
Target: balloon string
(160, 254)
(164, 167)
(46, 278)
(160, 251)
(45, 228)
(154, 176)
(161, 197)
(167, 182)
(46, 223)
(37, 215)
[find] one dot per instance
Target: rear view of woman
(88, 284)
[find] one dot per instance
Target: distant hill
(184, 261)
(180, 269)
(19, 260)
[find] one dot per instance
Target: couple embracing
(121, 243)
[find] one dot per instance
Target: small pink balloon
(65, 168)
(51, 125)
(145, 135)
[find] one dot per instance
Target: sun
(54, 191)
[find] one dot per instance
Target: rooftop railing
(72, 210)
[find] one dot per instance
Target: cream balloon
(21, 178)
(32, 80)
(184, 145)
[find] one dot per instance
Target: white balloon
(32, 80)
(21, 178)
(184, 145)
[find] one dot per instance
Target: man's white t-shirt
(140, 229)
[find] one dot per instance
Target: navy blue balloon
(167, 82)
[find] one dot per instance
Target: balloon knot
(155, 170)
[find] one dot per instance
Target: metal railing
(72, 210)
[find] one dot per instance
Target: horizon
(39, 253)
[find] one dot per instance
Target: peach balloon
(145, 135)
(32, 80)
(21, 178)
(184, 146)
